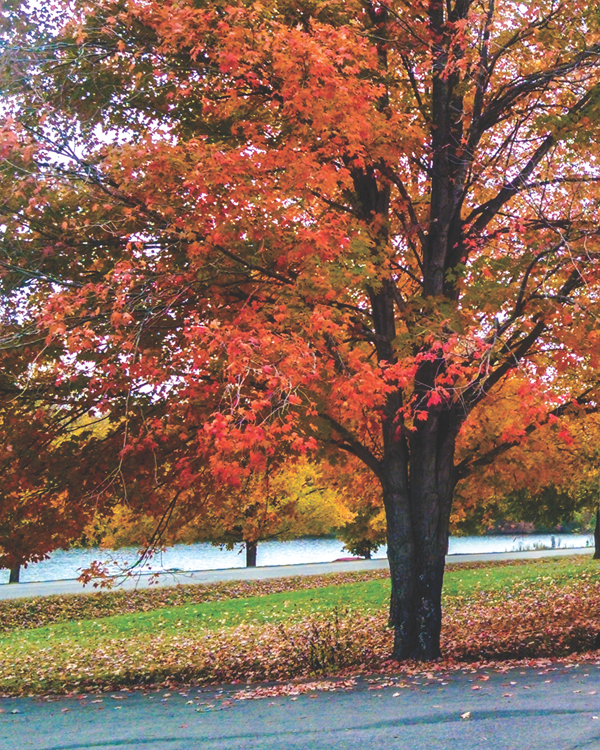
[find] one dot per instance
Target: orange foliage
(250, 229)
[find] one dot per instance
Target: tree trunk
(597, 535)
(15, 573)
(251, 554)
(367, 554)
(418, 511)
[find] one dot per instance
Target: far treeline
(250, 248)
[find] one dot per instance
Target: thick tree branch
(351, 445)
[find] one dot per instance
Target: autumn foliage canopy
(250, 230)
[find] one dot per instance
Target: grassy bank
(287, 627)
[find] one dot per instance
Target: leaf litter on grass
(40, 611)
(523, 621)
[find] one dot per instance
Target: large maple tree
(276, 226)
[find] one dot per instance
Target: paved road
(72, 586)
(541, 709)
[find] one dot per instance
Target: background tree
(364, 532)
(548, 479)
(46, 499)
(293, 501)
(292, 224)
(287, 503)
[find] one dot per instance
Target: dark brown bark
(417, 502)
(251, 548)
(597, 536)
(15, 574)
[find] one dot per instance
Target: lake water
(67, 564)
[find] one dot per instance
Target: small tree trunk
(251, 554)
(597, 536)
(367, 554)
(15, 573)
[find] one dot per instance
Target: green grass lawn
(136, 647)
(365, 597)
(507, 576)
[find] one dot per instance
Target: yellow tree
(544, 475)
(292, 501)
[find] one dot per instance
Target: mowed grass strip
(460, 579)
(540, 608)
(39, 611)
(289, 606)
(503, 576)
(327, 593)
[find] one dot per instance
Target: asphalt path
(552, 708)
(73, 586)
